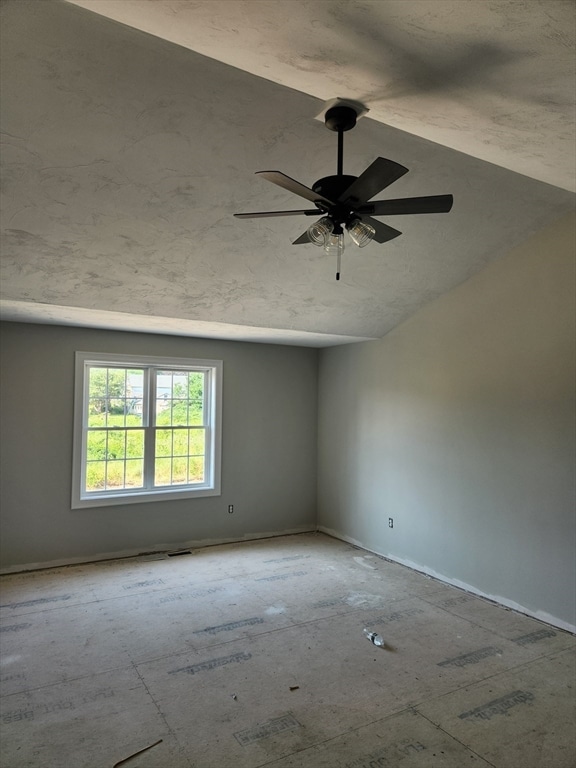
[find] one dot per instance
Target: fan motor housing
(333, 186)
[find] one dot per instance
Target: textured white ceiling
(126, 156)
(492, 78)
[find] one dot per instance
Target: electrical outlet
(390, 522)
(230, 508)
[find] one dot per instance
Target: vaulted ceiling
(132, 131)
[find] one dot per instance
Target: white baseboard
(540, 615)
(156, 549)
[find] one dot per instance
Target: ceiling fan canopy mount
(340, 118)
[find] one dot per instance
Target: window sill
(143, 497)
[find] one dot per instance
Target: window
(145, 428)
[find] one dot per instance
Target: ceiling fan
(344, 201)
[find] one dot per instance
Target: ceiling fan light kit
(344, 201)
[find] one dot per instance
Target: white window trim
(214, 403)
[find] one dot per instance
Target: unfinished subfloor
(253, 654)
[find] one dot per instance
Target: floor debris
(134, 754)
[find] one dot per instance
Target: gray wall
(268, 456)
(459, 425)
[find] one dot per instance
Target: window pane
(97, 394)
(95, 475)
(179, 413)
(135, 410)
(180, 385)
(163, 411)
(197, 442)
(134, 396)
(134, 473)
(196, 412)
(163, 442)
(114, 474)
(116, 447)
(196, 470)
(164, 397)
(179, 473)
(135, 444)
(163, 472)
(196, 386)
(96, 445)
(180, 442)
(97, 390)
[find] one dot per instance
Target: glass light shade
(334, 244)
(320, 230)
(361, 233)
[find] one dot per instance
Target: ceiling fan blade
(303, 239)
(379, 175)
(264, 214)
(431, 204)
(383, 231)
(276, 177)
